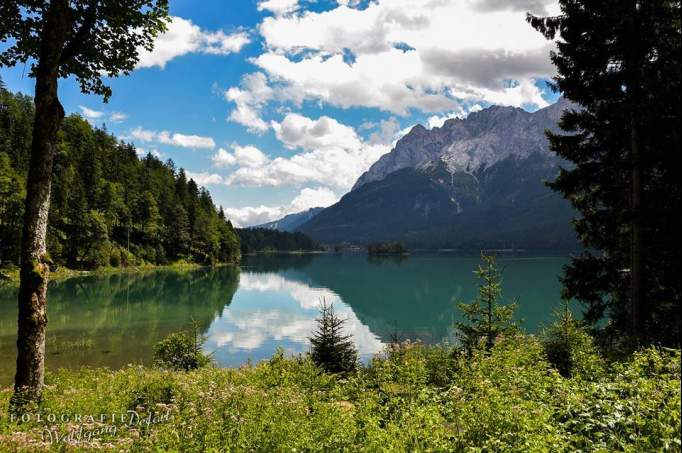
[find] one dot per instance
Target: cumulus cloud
(90, 113)
(223, 159)
(183, 37)
(332, 154)
(278, 7)
(306, 199)
(249, 99)
(398, 56)
(173, 139)
(94, 116)
(204, 178)
(298, 131)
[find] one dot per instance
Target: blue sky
(279, 105)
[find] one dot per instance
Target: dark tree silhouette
(620, 62)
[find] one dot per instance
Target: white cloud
(313, 198)
(388, 133)
(332, 155)
(204, 178)
(91, 114)
(223, 159)
(278, 7)
(399, 55)
(117, 117)
(250, 99)
(249, 156)
(306, 199)
(173, 139)
(298, 131)
(183, 37)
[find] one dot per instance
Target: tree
(568, 345)
(331, 349)
(89, 40)
(620, 62)
(485, 317)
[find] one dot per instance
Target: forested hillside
(109, 207)
(268, 240)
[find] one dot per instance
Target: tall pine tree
(620, 62)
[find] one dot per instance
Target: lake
(269, 302)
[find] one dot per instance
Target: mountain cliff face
(477, 182)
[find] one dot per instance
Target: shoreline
(10, 277)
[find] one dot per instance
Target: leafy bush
(181, 351)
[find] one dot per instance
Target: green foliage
(331, 349)
(387, 248)
(129, 27)
(508, 399)
(181, 351)
(485, 318)
(109, 207)
(569, 348)
(619, 61)
(269, 240)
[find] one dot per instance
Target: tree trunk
(633, 68)
(636, 232)
(28, 381)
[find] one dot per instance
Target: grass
(411, 398)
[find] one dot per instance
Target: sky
(277, 106)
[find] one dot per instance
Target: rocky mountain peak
(472, 144)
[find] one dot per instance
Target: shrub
(568, 346)
(331, 349)
(181, 351)
(115, 257)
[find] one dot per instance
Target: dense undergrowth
(411, 398)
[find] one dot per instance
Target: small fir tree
(331, 349)
(485, 317)
(568, 346)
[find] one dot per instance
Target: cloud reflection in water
(268, 310)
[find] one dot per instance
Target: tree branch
(73, 47)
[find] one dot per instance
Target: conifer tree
(331, 349)
(485, 318)
(619, 60)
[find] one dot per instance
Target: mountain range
(291, 222)
(477, 182)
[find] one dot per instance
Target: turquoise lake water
(271, 301)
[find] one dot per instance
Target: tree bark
(32, 322)
(633, 68)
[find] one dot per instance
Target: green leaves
(103, 37)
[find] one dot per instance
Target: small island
(387, 248)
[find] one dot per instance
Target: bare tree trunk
(28, 381)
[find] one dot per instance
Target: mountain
(292, 221)
(474, 182)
